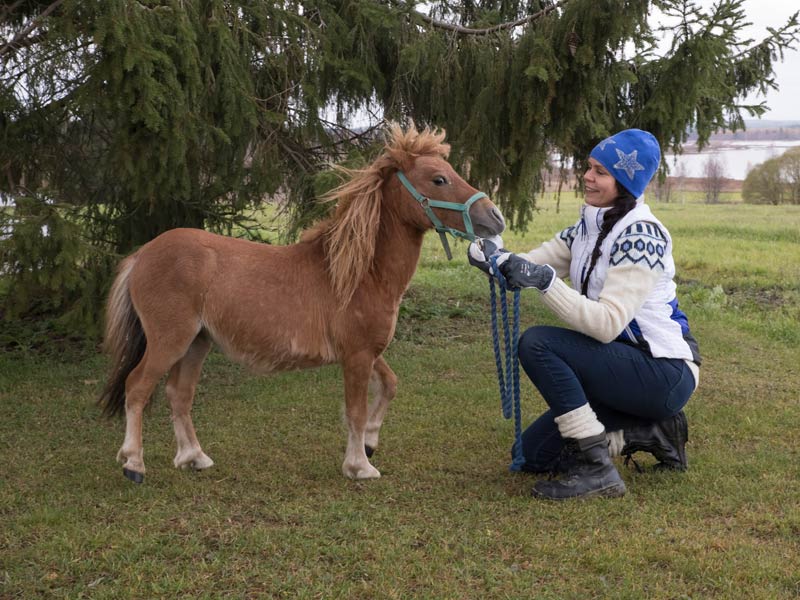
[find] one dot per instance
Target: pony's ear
(399, 159)
(403, 146)
(391, 168)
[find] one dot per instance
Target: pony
(333, 297)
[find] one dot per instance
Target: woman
(617, 381)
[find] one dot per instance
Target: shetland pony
(331, 298)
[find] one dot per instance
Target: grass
(275, 518)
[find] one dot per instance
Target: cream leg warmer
(579, 423)
(616, 442)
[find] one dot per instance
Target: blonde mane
(351, 233)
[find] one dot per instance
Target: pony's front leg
(357, 370)
(383, 386)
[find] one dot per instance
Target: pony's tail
(124, 340)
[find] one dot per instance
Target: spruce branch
(494, 28)
(21, 34)
(16, 70)
(779, 39)
(297, 153)
(348, 136)
(9, 10)
(26, 43)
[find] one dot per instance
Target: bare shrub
(713, 174)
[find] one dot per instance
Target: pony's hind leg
(357, 370)
(139, 388)
(180, 390)
(158, 358)
(383, 386)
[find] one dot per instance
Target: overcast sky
(784, 104)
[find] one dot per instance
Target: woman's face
(599, 185)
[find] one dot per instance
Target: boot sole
(678, 430)
(612, 491)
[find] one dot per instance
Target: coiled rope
(508, 377)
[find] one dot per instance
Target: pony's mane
(351, 233)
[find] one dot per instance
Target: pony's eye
(439, 180)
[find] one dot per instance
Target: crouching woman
(617, 380)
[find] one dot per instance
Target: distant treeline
(775, 181)
(759, 130)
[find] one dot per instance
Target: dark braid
(623, 204)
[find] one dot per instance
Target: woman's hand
(481, 250)
(521, 273)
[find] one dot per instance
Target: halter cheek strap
(428, 205)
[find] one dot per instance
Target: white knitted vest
(656, 321)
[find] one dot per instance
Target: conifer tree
(125, 118)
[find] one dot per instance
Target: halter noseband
(428, 204)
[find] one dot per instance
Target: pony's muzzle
(488, 221)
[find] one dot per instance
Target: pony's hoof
(201, 463)
(369, 450)
(134, 476)
(195, 462)
(371, 473)
(365, 472)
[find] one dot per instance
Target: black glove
(481, 250)
(521, 273)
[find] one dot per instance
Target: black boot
(666, 440)
(592, 473)
(559, 465)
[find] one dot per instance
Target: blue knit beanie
(632, 158)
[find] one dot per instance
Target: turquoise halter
(428, 204)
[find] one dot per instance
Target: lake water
(737, 158)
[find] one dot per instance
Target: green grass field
(275, 518)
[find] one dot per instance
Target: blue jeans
(624, 385)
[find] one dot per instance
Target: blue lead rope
(508, 378)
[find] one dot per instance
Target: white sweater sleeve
(625, 290)
(554, 252)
